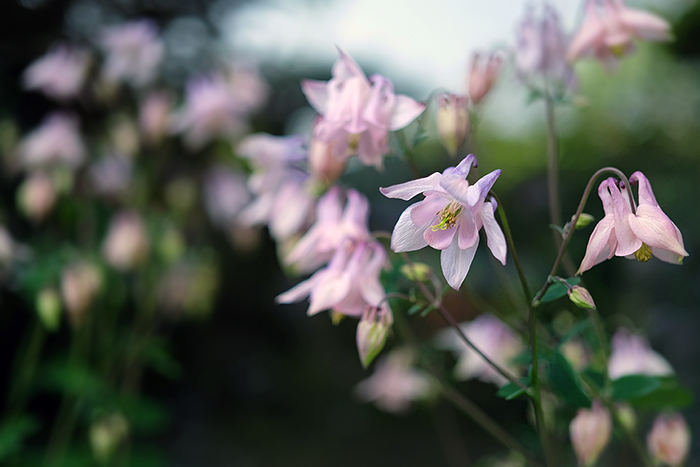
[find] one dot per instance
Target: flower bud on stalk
(483, 74)
(452, 121)
(126, 245)
(48, 308)
(37, 196)
(372, 331)
(590, 433)
(80, 284)
(581, 297)
(106, 434)
(669, 439)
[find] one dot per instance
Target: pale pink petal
(427, 210)
(316, 93)
(597, 249)
(380, 103)
(468, 232)
(405, 111)
(627, 241)
(297, 292)
(655, 229)
(439, 239)
(470, 195)
(645, 25)
(408, 190)
(494, 235)
(589, 37)
(345, 67)
(667, 256)
(463, 167)
(456, 262)
(329, 291)
(407, 236)
(646, 194)
(372, 146)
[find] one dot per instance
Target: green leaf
(512, 391)
(575, 331)
(633, 386)
(158, 357)
(558, 290)
(13, 433)
(672, 398)
(73, 379)
(595, 377)
(415, 309)
(565, 382)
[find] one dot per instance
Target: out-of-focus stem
(25, 367)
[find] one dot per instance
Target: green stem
(570, 231)
(25, 368)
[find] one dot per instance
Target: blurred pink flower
(60, 73)
(632, 355)
(449, 218)
(127, 243)
(540, 55)
(326, 162)
(608, 29)
(669, 439)
(395, 383)
(348, 284)
(249, 88)
(358, 111)
(111, 175)
(590, 432)
(225, 195)
(492, 337)
(211, 110)
(37, 196)
(333, 226)
(620, 233)
(155, 115)
(80, 284)
(483, 73)
(453, 121)
(134, 52)
(55, 142)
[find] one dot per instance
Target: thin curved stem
(581, 205)
(451, 321)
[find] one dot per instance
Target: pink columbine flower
(453, 121)
(590, 432)
(492, 337)
(669, 439)
(134, 52)
(211, 110)
(541, 52)
(621, 233)
(60, 73)
(358, 111)
(225, 195)
(56, 142)
(333, 226)
(327, 159)
(395, 383)
(449, 218)
(248, 87)
(482, 75)
(126, 245)
(348, 284)
(632, 355)
(609, 28)
(155, 115)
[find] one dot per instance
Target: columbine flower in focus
(332, 227)
(482, 75)
(348, 284)
(359, 112)
(395, 383)
(621, 233)
(541, 52)
(632, 355)
(609, 28)
(452, 121)
(134, 52)
(449, 218)
(590, 432)
(669, 439)
(60, 73)
(492, 337)
(56, 142)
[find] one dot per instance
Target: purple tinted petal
(408, 190)
(496, 241)
(426, 212)
(468, 232)
(456, 262)
(405, 111)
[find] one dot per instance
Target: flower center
(643, 254)
(448, 217)
(353, 141)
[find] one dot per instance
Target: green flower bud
(583, 220)
(48, 307)
(418, 272)
(581, 297)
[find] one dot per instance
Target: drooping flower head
(482, 74)
(646, 232)
(449, 218)
(60, 73)
(632, 355)
(359, 112)
(609, 28)
(134, 52)
(590, 432)
(56, 142)
(540, 55)
(669, 439)
(453, 121)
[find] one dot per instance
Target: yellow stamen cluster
(448, 217)
(353, 141)
(643, 254)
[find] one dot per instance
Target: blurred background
(242, 381)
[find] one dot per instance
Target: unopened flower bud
(483, 74)
(669, 439)
(48, 307)
(126, 245)
(416, 272)
(626, 416)
(581, 297)
(583, 220)
(106, 434)
(372, 331)
(452, 121)
(37, 196)
(80, 284)
(590, 433)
